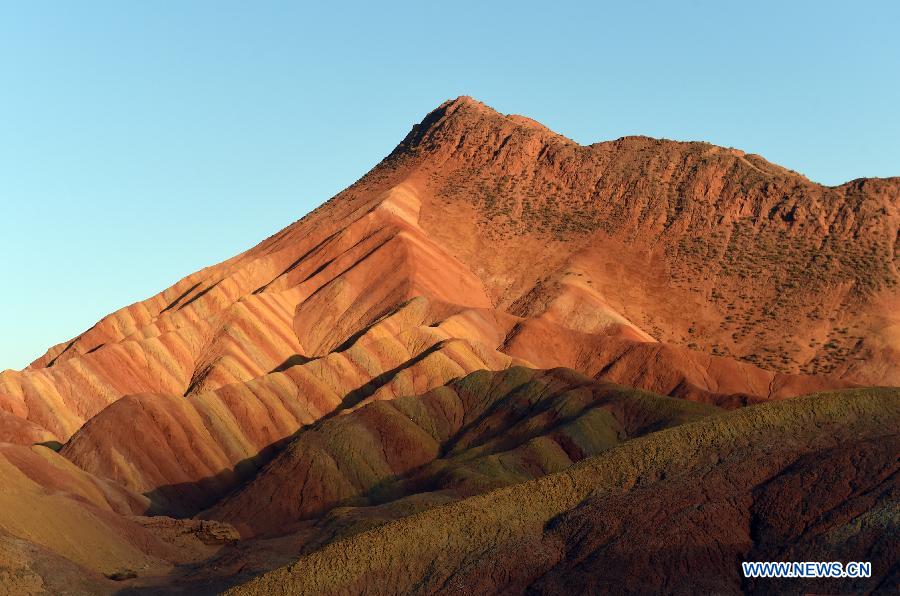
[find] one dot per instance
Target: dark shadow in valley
(184, 295)
(295, 263)
(198, 295)
(359, 394)
(291, 361)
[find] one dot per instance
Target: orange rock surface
(682, 243)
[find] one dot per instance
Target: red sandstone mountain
(517, 236)
(253, 392)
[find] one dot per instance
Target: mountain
(492, 309)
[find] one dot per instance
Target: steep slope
(191, 451)
(642, 239)
(674, 510)
(243, 326)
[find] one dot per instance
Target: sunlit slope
(48, 501)
(247, 323)
(553, 244)
(191, 451)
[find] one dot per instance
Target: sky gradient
(142, 141)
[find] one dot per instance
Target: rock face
(486, 308)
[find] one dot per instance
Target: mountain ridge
(465, 102)
(545, 226)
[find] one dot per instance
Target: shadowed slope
(595, 522)
(479, 432)
(193, 451)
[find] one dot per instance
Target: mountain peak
(463, 101)
(463, 120)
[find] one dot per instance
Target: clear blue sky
(140, 141)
